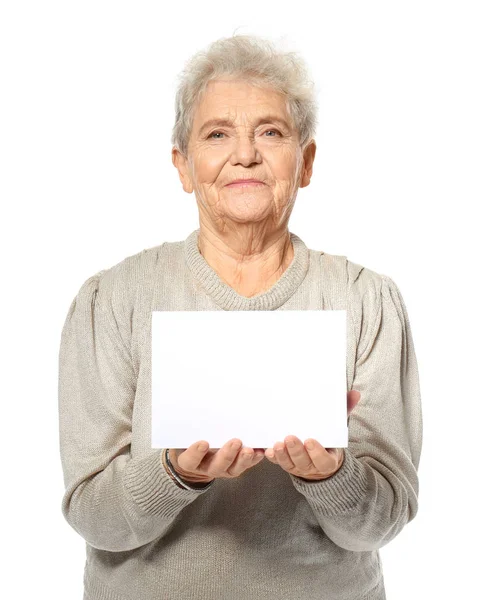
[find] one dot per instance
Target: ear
(308, 158)
(180, 162)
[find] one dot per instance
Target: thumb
(353, 397)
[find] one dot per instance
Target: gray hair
(253, 59)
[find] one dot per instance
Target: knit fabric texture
(266, 534)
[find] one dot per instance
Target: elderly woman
(298, 521)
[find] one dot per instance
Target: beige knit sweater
(267, 534)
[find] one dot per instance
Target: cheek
(208, 166)
(282, 161)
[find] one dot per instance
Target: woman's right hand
(202, 466)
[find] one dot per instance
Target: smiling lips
(245, 183)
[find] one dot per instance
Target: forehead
(233, 98)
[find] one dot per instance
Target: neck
(249, 265)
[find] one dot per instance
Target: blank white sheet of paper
(254, 375)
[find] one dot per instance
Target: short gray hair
(253, 59)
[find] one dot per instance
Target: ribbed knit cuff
(153, 489)
(339, 493)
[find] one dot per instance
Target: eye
(215, 133)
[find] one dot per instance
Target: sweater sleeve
(374, 494)
(115, 502)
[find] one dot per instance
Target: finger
(323, 459)
(246, 458)
(259, 451)
(298, 454)
(226, 459)
(282, 456)
(270, 455)
(190, 458)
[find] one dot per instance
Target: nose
(245, 152)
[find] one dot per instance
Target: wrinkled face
(241, 131)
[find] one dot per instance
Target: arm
(374, 494)
(115, 502)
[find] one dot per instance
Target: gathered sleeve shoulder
(386, 357)
(114, 501)
(374, 494)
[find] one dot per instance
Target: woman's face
(241, 131)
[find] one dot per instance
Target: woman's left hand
(310, 461)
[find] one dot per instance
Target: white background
(87, 107)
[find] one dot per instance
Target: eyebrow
(230, 123)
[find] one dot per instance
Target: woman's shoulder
(363, 280)
(365, 287)
(368, 288)
(358, 278)
(119, 283)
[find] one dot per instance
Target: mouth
(245, 183)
